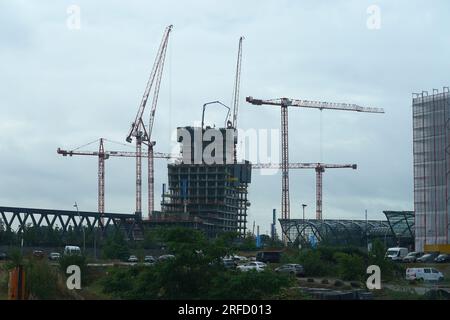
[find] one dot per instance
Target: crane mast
(138, 130)
(284, 103)
(101, 177)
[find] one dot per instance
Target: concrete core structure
(208, 184)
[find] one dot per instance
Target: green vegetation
(115, 247)
(346, 263)
(350, 266)
(195, 273)
(41, 279)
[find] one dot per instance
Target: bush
(249, 285)
(313, 264)
(41, 279)
(349, 266)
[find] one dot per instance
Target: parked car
(239, 259)
(3, 256)
(229, 263)
(428, 257)
(424, 274)
(412, 256)
(445, 257)
(133, 259)
(268, 256)
(38, 254)
(149, 259)
(72, 250)
(292, 268)
(258, 266)
(165, 257)
(396, 253)
(54, 256)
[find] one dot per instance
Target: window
(427, 270)
(434, 271)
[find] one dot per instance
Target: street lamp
(84, 234)
(304, 206)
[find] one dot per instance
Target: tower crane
(143, 134)
(232, 123)
(237, 83)
(284, 103)
(104, 155)
(318, 167)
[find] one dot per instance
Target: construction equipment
(318, 167)
(142, 134)
(232, 123)
(104, 155)
(284, 103)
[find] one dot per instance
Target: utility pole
(84, 233)
(304, 206)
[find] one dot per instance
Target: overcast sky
(64, 87)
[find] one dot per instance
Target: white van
(72, 250)
(426, 274)
(396, 253)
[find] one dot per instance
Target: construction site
(207, 188)
(225, 151)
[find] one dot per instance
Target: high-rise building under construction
(208, 185)
(431, 148)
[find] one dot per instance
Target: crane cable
(87, 144)
(321, 137)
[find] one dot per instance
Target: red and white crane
(284, 103)
(142, 134)
(318, 167)
(104, 155)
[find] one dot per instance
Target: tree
(115, 246)
(196, 272)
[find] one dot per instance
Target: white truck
(396, 253)
(424, 274)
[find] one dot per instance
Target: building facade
(431, 149)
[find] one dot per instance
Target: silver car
(412, 256)
(292, 268)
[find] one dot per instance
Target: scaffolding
(215, 193)
(431, 151)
